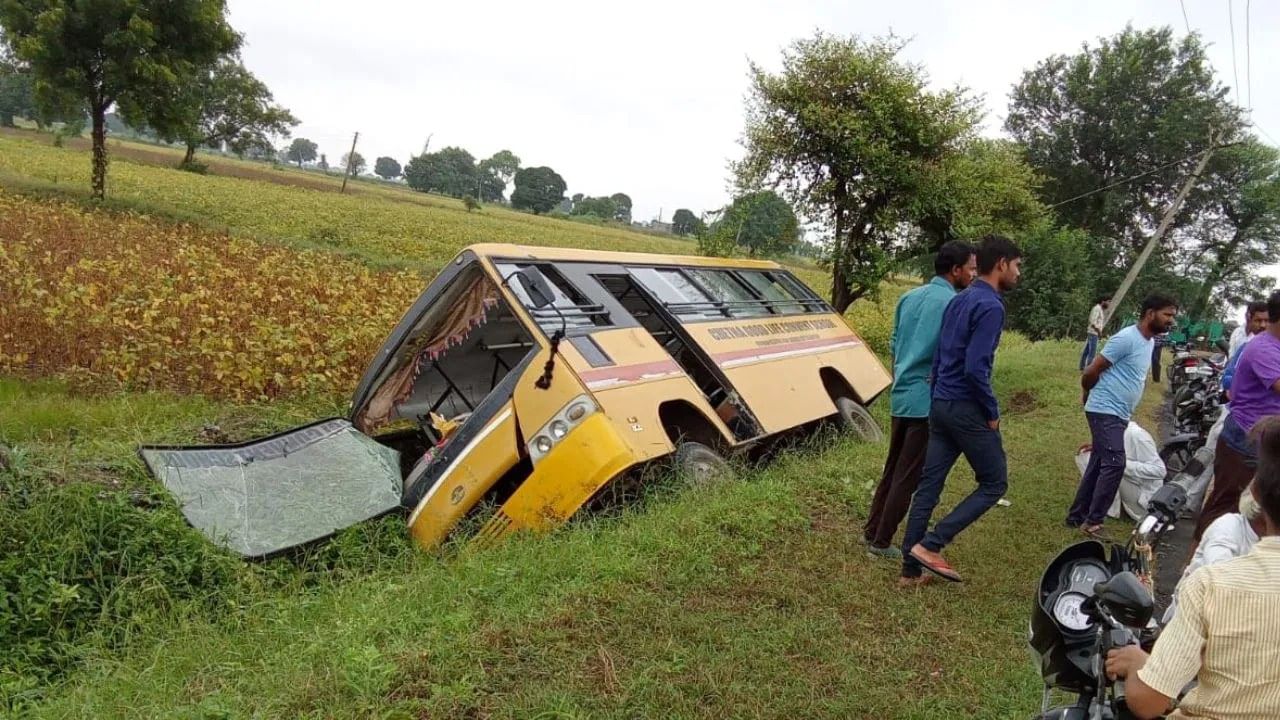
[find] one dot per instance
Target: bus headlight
(560, 425)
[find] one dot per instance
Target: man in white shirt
(1226, 538)
(1097, 316)
(1255, 321)
(1144, 472)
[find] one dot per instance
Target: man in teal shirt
(916, 324)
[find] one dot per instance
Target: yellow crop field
(274, 290)
(123, 298)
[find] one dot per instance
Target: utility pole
(351, 156)
(1165, 222)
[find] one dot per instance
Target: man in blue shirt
(916, 323)
(1113, 386)
(964, 417)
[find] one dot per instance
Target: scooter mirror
(1126, 599)
(1168, 501)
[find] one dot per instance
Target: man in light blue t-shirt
(1113, 386)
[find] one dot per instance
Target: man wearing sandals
(964, 417)
(1113, 386)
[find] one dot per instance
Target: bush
(1057, 288)
(194, 166)
(81, 566)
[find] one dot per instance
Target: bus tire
(698, 464)
(855, 420)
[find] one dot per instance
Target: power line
(1130, 179)
(1184, 16)
(1248, 56)
(1232, 24)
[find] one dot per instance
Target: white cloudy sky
(647, 98)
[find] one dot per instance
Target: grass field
(751, 598)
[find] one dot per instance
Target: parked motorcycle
(1092, 599)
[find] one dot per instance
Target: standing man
(1255, 394)
(1097, 316)
(1113, 386)
(1256, 318)
(964, 416)
(916, 323)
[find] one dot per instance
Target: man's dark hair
(1267, 478)
(954, 253)
(1156, 302)
(993, 249)
(1256, 307)
(1273, 306)
(1101, 299)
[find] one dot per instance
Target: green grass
(752, 598)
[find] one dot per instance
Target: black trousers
(908, 440)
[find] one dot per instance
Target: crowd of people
(1223, 628)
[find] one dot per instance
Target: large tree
(850, 134)
(386, 168)
(600, 207)
(622, 207)
(504, 164)
(97, 53)
(451, 171)
(684, 222)
(17, 90)
(1238, 231)
(490, 182)
(762, 222)
(353, 162)
(302, 150)
(538, 189)
(226, 104)
(1134, 104)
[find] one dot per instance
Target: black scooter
(1090, 600)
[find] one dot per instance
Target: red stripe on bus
(786, 347)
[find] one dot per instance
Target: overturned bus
(524, 380)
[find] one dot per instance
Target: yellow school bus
(525, 379)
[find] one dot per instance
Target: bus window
(675, 290)
(568, 304)
(737, 298)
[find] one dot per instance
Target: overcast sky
(647, 98)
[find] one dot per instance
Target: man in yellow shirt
(1226, 634)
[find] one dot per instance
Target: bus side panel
(775, 363)
(633, 411)
(486, 460)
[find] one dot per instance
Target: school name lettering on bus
(765, 329)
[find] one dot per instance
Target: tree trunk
(190, 157)
(1221, 262)
(99, 151)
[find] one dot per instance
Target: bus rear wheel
(698, 464)
(854, 419)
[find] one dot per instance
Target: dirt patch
(1021, 402)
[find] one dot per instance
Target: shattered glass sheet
(268, 495)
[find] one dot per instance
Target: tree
(538, 189)
(684, 222)
(489, 181)
(1134, 103)
(451, 171)
(301, 151)
(323, 162)
(138, 54)
(850, 135)
(622, 203)
(353, 162)
(761, 222)
(17, 90)
(1057, 286)
(504, 164)
(600, 207)
(1239, 230)
(470, 203)
(386, 168)
(227, 104)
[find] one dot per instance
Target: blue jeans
(956, 427)
(1101, 480)
(1090, 350)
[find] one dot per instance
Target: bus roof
(505, 250)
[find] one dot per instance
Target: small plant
(470, 203)
(194, 166)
